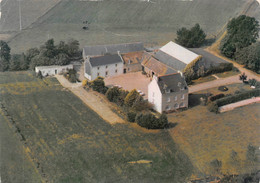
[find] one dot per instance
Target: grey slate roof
(113, 48)
(169, 60)
(87, 68)
(208, 59)
(173, 82)
(105, 60)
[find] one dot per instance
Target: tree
(73, 48)
(163, 121)
(15, 63)
(241, 32)
(147, 120)
(98, 85)
(131, 98)
(49, 49)
(243, 77)
(112, 94)
(192, 38)
(250, 57)
(4, 56)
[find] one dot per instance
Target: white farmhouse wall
(52, 70)
(155, 95)
(111, 70)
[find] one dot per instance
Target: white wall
(155, 95)
(111, 68)
(52, 70)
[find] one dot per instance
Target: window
(97, 68)
(167, 108)
(175, 98)
(106, 73)
(168, 99)
(167, 91)
(106, 66)
(98, 74)
(182, 104)
(182, 96)
(116, 65)
(116, 71)
(176, 106)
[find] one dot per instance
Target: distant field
(205, 136)
(31, 10)
(68, 142)
(154, 22)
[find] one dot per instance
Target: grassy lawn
(203, 80)
(68, 142)
(227, 74)
(205, 136)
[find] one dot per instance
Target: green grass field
(68, 142)
(154, 22)
(205, 136)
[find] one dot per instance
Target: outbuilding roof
(157, 67)
(172, 83)
(105, 60)
(180, 53)
(113, 48)
(133, 57)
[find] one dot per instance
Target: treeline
(46, 54)
(241, 44)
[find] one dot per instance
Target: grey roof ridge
(165, 64)
(173, 57)
(115, 44)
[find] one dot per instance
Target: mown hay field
(205, 136)
(68, 142)
(154, 22)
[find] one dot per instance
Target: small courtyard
(130, 81)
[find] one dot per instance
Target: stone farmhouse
(168, 92)
(53, 69)
(112, 60)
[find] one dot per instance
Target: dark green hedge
(215, 97)
(238, 97)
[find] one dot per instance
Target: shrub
(39, 75)
(112, 94)
(131, 98)
(163, 121)
(238, 97)
(131, 116)
(215, 97)
(84, 83)
(213, 107)
(223, 88)
(121, 98)
(98, 85)
(149, 121)
(146, 120)
(254, 82)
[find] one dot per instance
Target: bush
(215, 97)
(149, 121)
(98, 85)
(223, 88)
(131, 98)
(237, 97)
(213, 107)
(121, 98)
(131, 116)
(72, 75)
(112, 94)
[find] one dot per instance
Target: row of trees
(131, 103)
(47, 54)
(241, 44)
